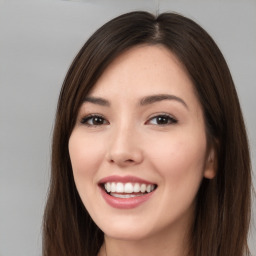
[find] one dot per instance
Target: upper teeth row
(129, 187)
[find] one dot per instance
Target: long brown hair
(222, 214)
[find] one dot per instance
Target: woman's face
(138, 149)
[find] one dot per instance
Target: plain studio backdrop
(38, 40)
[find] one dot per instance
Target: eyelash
(85, 120)
(167, 119)
(161, 117)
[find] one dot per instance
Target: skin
(131, 141)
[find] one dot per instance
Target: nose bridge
(124, 148)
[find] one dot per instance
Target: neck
(164, 244)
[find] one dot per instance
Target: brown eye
(94, 120)
(162, 120)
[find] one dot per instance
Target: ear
(210, 164)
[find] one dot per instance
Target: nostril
(121, 157)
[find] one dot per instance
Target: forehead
(144, 70)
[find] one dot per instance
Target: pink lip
(124, 179)
(125, 203)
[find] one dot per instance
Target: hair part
(222, 214)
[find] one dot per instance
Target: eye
(163, 119)
(94, 120)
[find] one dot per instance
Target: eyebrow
(160, 97)
(144, 101)
(97, 100)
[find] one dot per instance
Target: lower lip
(125, 203)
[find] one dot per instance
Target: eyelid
(173, 119)
(86, 118)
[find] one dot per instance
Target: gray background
(38, 40)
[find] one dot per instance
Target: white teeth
(136, 187)
(125, 195)
(143, 188)
(128, 188)
(113, 187)
(108, 187)
(119, 187)
(148, 189)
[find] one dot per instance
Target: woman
(149, 154)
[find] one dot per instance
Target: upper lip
(124, 179)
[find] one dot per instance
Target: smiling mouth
(128, 189)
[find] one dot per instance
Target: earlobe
(210, 165)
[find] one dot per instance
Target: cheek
(180, 160)
(84, 152)
(86, 156)
(181, 165)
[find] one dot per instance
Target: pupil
(98, 120)
(162, 120)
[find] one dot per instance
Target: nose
(124, 148)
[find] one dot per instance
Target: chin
(131, 235)
(122, 229)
